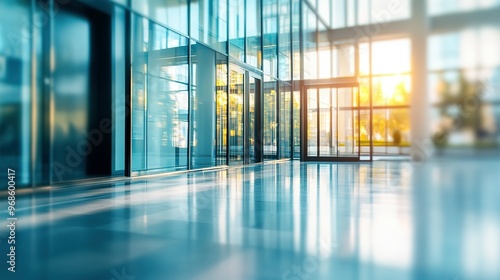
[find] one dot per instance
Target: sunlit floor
(291, 220)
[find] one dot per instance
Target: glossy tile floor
(291, 220)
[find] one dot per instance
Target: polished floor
(290, 220)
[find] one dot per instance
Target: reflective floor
(292, 220)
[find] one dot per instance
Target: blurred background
(100, 89)
(427, 71)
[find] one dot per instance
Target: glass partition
(209, 23)
(159, 98)
(332, 123)
(254, 33)
(203, 106)
(221, 109)
(236, 102)
(270, 135)
(237, 29)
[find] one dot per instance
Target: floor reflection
(292, 220)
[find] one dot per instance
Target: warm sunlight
(391, 57)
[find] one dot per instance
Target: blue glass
(296, 55)
(15, 99)
(270, 37)
(221, 109)
(270, 135)
(310, 42)
(284, 37)
(236, 115)
(237, 29)
(285, 121)
(203, 106)
(254, 33)
(172, 13)
(160, 98)
(209, 23)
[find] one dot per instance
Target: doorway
(331, 122)
(245, 143)
(80, 128)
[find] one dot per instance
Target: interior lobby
(250, 139)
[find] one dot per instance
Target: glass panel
(252, 141)
(310, 42)
(237, 29)
(363, 12)
(438, 7)
(398, 128)
(270, 120)
(139, 80)
(339, 12)
(254, 33)
(160, 98)
(324, 10)
(236, 95)
(118, 104)
(296, 124)
(343, 60)
(209, 23)
(71, 96)
(324, 53)
(221, 114)
(398, 50)
(167, 100)
(379, 130)
(15, 101)
(389, 10)
(326, 147)
(285, 124)
(172, 13)
(391, 90)
(284, 65)
(296, 39)
(347, 140)
(364, 131)
(312, 122)
(270, 40)
(203, 107)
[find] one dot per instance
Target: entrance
(245, 145)
(81, 95)
(331, 122)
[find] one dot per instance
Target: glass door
(253, 141)
(236, 116)
(331, 123)
(245, 141)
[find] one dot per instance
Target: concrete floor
(291, 220)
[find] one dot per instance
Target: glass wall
(309, 42)
(285, 120)
(209, 23)
(270, 135)
(464, 87)
(296, 124)
(270, 36)
(296, 39)
(221, 109)
(237, 29)
(236, 115)
(160, 97)
(171, 13)
(390, 94)
(254, 33)
(203, 106)
(185, 107)
(346, 13)
(15, 96)
(284, 41)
